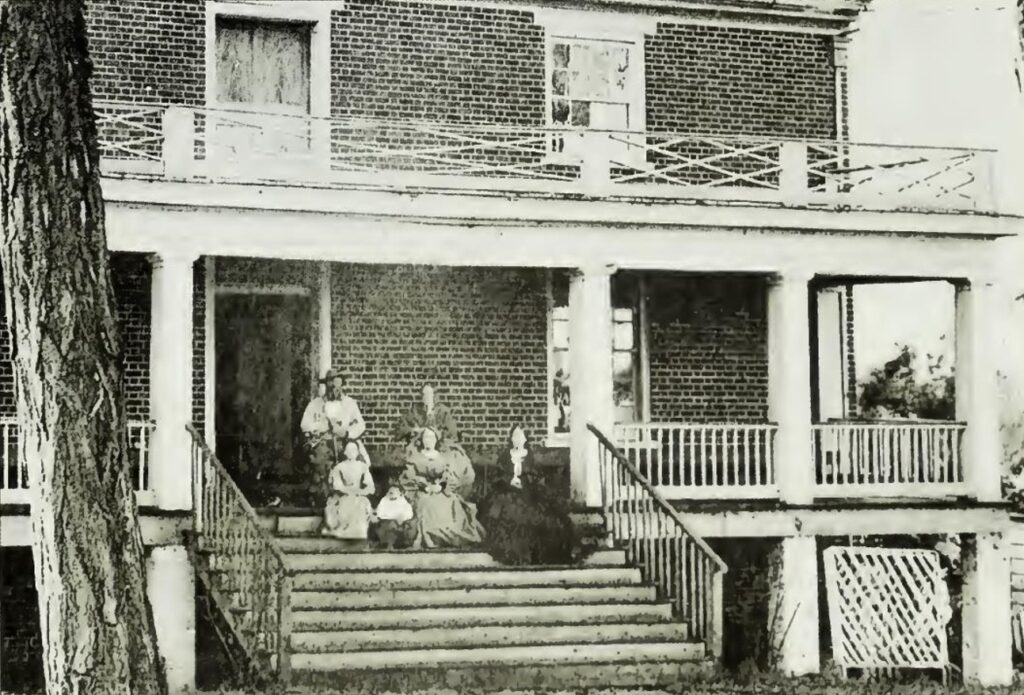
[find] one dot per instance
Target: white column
(326, 341)
(977, 394)
(170, 585)
(789, 385)
(987, 638)
(590, 378)
(794, 607)
(170, 380)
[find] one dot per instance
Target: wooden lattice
(888, 608)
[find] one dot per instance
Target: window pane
(623, 339)
(622, 377)
(560, 334)
(560, 395)
(580, 114)
(263, 63)
(559, 82)
(609, 116)
(560, 55)
(559, 111)
(560, 313)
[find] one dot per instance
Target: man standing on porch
(329, 422)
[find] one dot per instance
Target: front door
(264, 375)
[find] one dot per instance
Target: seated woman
(524, 524)
(430, 414)
(443, 518)
(348, 512)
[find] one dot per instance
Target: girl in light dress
(348, 513)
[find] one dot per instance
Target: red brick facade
(460, 63)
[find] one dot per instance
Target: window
(628, 344)
(263, 65)
(595, 78)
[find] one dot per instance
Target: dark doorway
(264, 378)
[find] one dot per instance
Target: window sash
(263, 65)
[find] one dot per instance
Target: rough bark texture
(97, 627)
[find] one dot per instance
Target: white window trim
(582, 25)
(315, 13)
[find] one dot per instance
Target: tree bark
(97, 625)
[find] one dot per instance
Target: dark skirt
(525, 529)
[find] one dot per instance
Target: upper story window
(595, 77)
(263, 65)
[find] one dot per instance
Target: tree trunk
(97, 625)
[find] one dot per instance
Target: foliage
(897, 390)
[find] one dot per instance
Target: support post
(789, 386)
(170, 380)
(170, 584)
(987, 637)
(325, 330)
(595, 169)
(179, 141)
(793, 171)
(793, 611)
(977, 389)
(590, 378)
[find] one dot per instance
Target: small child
(394, 514)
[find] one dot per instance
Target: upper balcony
(207, 145)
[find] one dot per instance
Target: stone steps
(483, 636)
(467, 579)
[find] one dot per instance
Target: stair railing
(242, 566)
(679, 563)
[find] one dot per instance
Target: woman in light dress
(436, 488)
(348, 511)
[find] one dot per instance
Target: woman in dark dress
(524, 523)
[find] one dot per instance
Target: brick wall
(148, 50)
(130, 275)
(738, 80)
(21, 660)
(440, 62)
(708, 349)
(478, 334)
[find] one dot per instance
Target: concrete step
(483, 596)
(532, 655)
(484, 636)
(468, 616)
(447, 579)
(640, 676)
(396, 561)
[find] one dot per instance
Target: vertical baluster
(692, 464)
(5, 481)
(734, 468)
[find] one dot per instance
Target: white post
(789, 386)
(326, 342)
(170, 381)
(170, 584)
(595, 169)
(793, 609)
(793, 171)
(590, 378)
(987, 637)
(179, 132)
(977, 389)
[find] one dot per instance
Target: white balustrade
(888, 459)
(210, 144)
(14, 470)
(690, 461)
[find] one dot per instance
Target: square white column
(170, 379)
(590, 378)
(170, 584)
(987, 639)
(789, 385)
(977, 394)
(793, 632)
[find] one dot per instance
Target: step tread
(477, 596)
(562, 654)
(448, 579)
(483, 636)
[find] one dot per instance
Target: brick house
(464, 193)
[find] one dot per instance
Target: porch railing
(685, 569)
(210, 144)
(14, 467)
(243, 569)
(891, 459)
(691, 461)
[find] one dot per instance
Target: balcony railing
(684, 461)
(889, 459)
(215, 145)
(14, 469)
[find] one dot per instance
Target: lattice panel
(888, 608)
